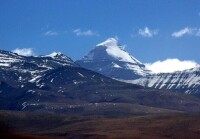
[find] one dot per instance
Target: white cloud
(51, 33)
(146, 32)
(79, 32)
(170, 65)
(186, 31)
(24, 51)
(182, 32)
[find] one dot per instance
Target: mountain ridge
(187, 81)
(48, 84)
(109, 59)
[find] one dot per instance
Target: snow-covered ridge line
(187, 81)
(10, 57)
(30, 68)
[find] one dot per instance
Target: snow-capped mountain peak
(57, 55)
(110, 59)
(54, 54)
(110, 42)
(61, 58)
(111, 49)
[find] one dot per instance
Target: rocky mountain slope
(55, 83)
(187, 81)
(18, 70)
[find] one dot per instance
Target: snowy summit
(110, 49)
(60, 58)
(54, 54)
(115, 50)
(110, 59)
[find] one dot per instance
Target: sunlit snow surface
(115, 50)
(110, 59)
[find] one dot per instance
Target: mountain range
(46, 83)
(110, 59)
(58, 84)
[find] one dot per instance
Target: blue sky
(152, 30)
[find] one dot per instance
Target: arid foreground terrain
(46, 126)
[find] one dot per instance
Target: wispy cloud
(182, 32)
(186, 31)
(51, 33)
(170, 65)
(24, 51)
(146, 32)
(79, 32)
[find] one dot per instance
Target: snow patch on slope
(4, 64)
